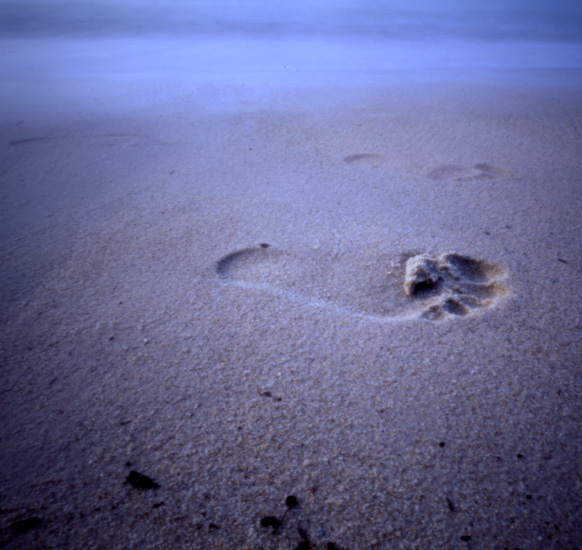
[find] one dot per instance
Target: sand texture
(366, 297)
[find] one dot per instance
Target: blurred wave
(519, 20)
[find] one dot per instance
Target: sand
(205, 282)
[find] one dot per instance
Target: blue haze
(516, 20)
(294, 41)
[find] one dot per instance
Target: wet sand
(206, 283)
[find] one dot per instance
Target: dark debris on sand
(26, 525)
(141, 481)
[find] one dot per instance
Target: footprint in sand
(379, 287)
(478, 172)
(371, 159)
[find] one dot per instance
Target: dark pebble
(270, 521)
(519, 455)
(158, 504)
(331, 546)
(264, 245)
(303, 545)
(141, 481)
(466, 538)
(213, 526)
(442, 444)
(303, 533)
(25, 525)
(291, 501)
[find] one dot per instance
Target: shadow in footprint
(234, 259)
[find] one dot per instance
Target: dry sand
(145, 328)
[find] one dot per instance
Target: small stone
(291, 501)
(141, 481)
(25, 525)
(466, 538)
(270, 521)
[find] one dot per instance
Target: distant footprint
(35, 140)
(478, 172)
(110, 140)
(128, 140)
(364, 158)
(421, 286)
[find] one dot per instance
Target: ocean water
(515, 20)
(303, 42)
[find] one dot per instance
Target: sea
(301, 41)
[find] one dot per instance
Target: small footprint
(478, 172)
(368, 158)
(128, 140)
(110, 140)
(28, 141)
(382, 288)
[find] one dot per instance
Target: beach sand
(206, 283)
